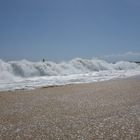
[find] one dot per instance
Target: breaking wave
(22, 70)
(26, 68)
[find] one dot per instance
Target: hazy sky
(64, 29)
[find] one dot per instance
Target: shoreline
(100, 110)
(53, 86)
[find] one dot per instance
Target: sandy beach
(108, 110)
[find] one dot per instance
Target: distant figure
(43, 60)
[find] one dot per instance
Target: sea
(24, 74)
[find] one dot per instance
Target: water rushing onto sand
(27, 75)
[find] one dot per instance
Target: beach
(108, 110)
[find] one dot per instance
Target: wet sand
(107, 110)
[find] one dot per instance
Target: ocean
(24, 74)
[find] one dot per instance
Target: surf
(27, 74)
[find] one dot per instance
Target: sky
(64, 29)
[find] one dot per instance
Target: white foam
(26, 75)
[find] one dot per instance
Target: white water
(28, 75)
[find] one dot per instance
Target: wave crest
(25, 69)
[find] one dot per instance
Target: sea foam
(26, 74)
